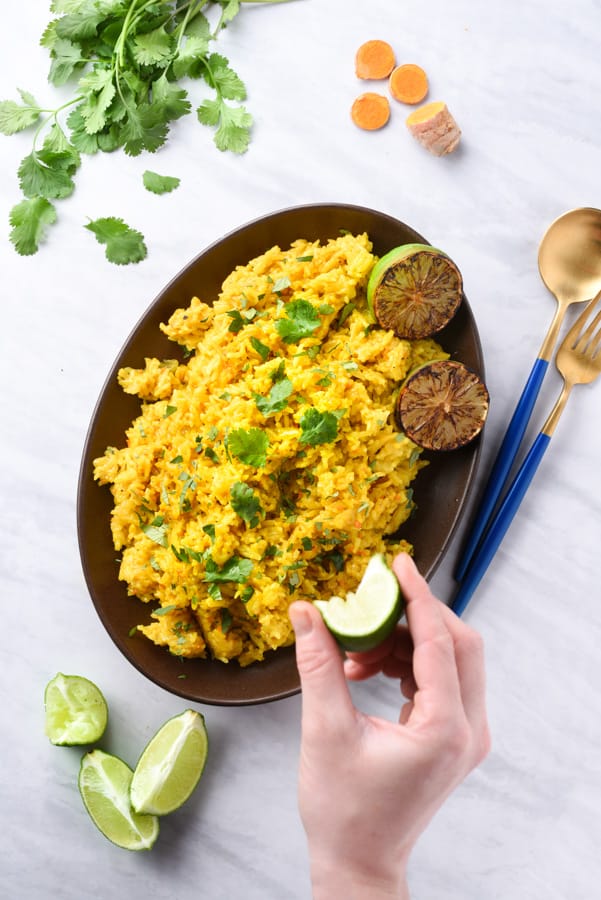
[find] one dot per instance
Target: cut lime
(104, 783)
(442, 405)
(171, 765)
(414, 290)
(76, 711)
(365, 618)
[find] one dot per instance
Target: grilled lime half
(414, 290)
(442, 405)
(366, 617)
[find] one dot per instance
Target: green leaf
(246, 503)
(159, 184)
(94, 107)
(80, 138)
(170, 98)
(277, 400)
(81, 24)
(318, 427)
(47, 174)
(250, 447)
(30, 220)
(66, 60)
(123, 244)
(16, 117)
(301, 320)
(209, 112)
(236, 570)
(154, 48)
(234, 129)
(262, 349)
(145, 129)
(192, 55)
(156, 531)
(222, 77)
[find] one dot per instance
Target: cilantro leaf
(29, 220)
(318, 427)
(123, 244)
(246, 503)
(277, 399)
(261, 348)
(48, 174)
(234, 122)
(236, 569)
(171, 99)
(250, 447)
(153, 47)
(156, 531)
(145, 129)
(16, 117)
(66, 60)
(301, 320)
(222, 77)
(159, 184)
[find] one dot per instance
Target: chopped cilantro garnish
(345, 313)
(169, 410)
(262, 349)
(163, 610)
(281, 284)
(246, 503)
(307, 258)
(226, 620)
(277, 399)
(318, 427)
(156, 531)
(301, 320)
(249, 446)
(236, 569)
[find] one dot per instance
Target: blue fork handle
(500, 523)
(502, 464)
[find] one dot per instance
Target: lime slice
(442, 405)
(414, 290)
(171, 765)
(365, 618)
(76, 711)
(104, 783)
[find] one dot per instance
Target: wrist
(341, 881)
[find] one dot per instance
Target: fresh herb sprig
(126, 59)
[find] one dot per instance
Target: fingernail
(301, 620)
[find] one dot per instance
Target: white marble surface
(522, 79)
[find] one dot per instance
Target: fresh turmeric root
(435, 128)
(374, 60)
(408, 83)
(370, 111)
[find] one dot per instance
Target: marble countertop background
(522, 80)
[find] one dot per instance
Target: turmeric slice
(435, 128)
(370, 111)
(374, 60)
(408, 83)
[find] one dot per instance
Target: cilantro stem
(52, 115)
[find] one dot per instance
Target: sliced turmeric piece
(408, 83)
(374, 60)
(435, 128)
(370, 111)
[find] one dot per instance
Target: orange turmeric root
(435, 128)
(374, 59)
(408, 83)
(370, 111)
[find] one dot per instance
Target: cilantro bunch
(126, 59)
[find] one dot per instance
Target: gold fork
(579, 362)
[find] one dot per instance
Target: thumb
(326, 698)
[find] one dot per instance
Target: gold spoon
(569, 261)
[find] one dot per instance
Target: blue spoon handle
(503, 463)
(500, 523)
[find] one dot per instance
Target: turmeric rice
(265, 466)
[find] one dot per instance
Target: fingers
(398, 647)
(326, 699)
(434, 665)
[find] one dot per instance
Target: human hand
(367, 786)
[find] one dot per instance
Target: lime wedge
(104, 783)
(365, 618)
(76, 711)
(171, 765)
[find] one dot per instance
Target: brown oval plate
(440, 490)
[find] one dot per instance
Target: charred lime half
(442, 405)
(414, 290)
